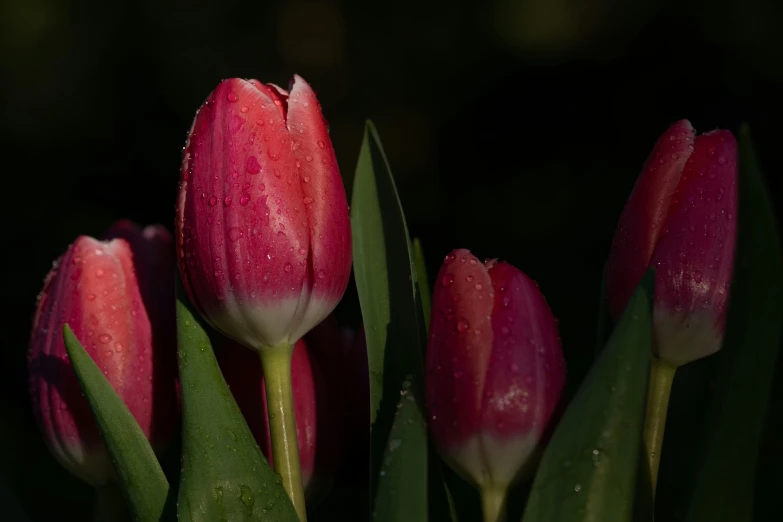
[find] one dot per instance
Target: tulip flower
(117, 297)
(681, 220)
(495, 371)
(264, 237)
(263, 233)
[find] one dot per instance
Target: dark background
(514, 128)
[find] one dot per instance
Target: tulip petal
(694, 257)
(644, 214)
(324, 202)
(458, 358)
(525, 376)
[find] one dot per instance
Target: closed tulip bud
(264, 244)
(495, 371)
(681, 220)
(318, 429)
(116, 296)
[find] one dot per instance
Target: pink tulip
(264, 238)
(117, 297)
(495, 369)
(319, 425)
(680, 219)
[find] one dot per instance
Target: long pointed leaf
(725, 487)
(589, 469)
(138, 471)
(386, 280)
(225, 477)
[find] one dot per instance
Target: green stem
(109, 504)
(493, 503)
(276, 363)
(658, 391)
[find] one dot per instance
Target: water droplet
(479, 286)
(307, 200)
(234, 234)
(578, 488)
(118, 347)
(227, 201)
(244, 110)
(722, 160)
(463, 325)
(697, 276)
(232, 97)
(212, 201)
(321, 144)
(99, 272)
(104, 338)
(447, 279)
(252, 165)
(247, 497)
(287, 267)
(91, 297)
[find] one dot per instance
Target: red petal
(644, 213)
(459, 349)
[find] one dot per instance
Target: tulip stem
(658, 391)
(276, 363)
(493, 503)
(109, 504)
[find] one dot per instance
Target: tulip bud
(264, 237)
(495, 369)
(680, 219)
(318, 432)
(116, 296)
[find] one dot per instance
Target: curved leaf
(589, 469)
(225, 477)
(138, 471)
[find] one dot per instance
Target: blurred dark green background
(515, 128)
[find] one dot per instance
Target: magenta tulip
(681, 220)
(264, 241)
(495, 371)
(117, 297)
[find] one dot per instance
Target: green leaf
(386, 280)
(402, 484)
(385, 274)
(589, 469)
(138, 471)
(745, 365)
(424, 284)
(225, 477)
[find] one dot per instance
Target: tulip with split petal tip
(681, 220)
(495, 372)
(264, 239)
